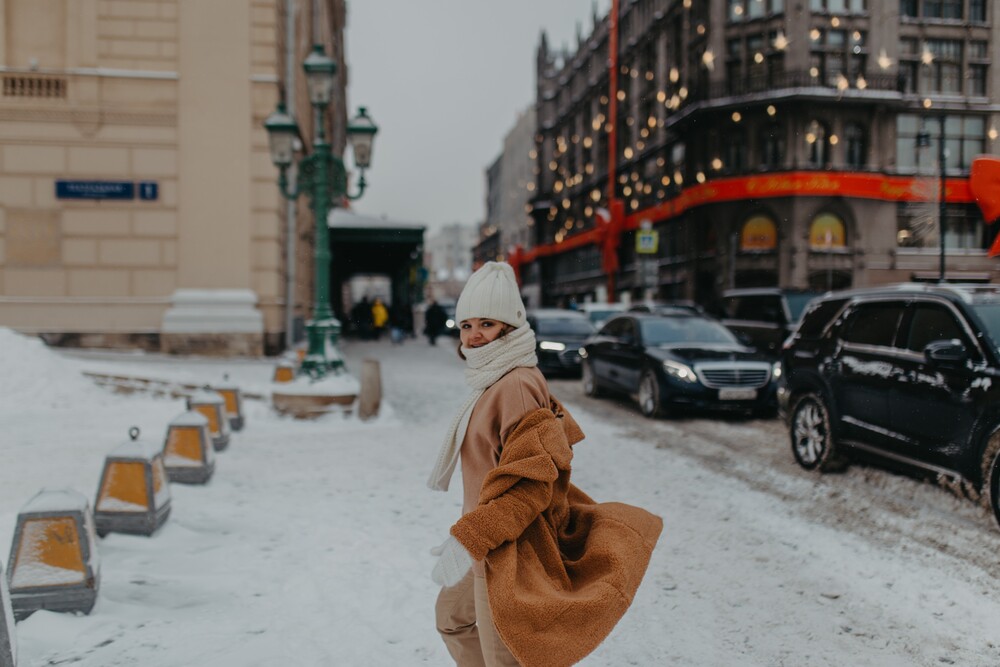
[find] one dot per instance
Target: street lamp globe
(320, 72)
(361, 133)
(282, 133)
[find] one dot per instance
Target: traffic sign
(647, 242)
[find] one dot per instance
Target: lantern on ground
(134, 495)
(188, 454)
(233, 401)
(8, 638)
(213, 406)
(54, 563)
(284, 372)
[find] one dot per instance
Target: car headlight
(552, 346)
(450, 324)
(680, 371)
(776, 370)
(583, 352)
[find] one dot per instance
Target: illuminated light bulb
(884, 61)
(665, 180)
(595, 195)
(992, 134)
(856, 35)
(649, 76)
(587, 142)
(738, 10)
(717, 164)
(588, 211)
(675, 75)
(678, 177)
(604, 99)
(634, 176)
(628, 153)
(531, 187)
(532, 154)
(842, 83)
(575, 139)
(814, 34)
(683, 92)
(835, 22)
(629, 121)
(771, 110)
(810, 138)
(620, 95)
(927, 57)
(928, 103)
(814, 72)
(644, 133)
(737, 116)
(627, 191)
(558, 187)
(758, 57)
(708, 59)
(651, 121)
(595, 124)
(834, 139)
(589, 169)
(565, 203)
(635, 204)
(687, 4)
(700, 177)
(701, 29)
(661, 96)
(639, 145)
(623, 179)
(861, 83)
(607, 128)
(781, 42)
(660, 162)
(553, 165)
(569, 224)
(647, 188)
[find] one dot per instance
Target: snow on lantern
(54, 563)
(134, 495)
(188, 454)
(8, 638)
(233, 403)
(213, 406)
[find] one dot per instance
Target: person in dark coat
(434, 321)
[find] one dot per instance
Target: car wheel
(812, 440)
(991, 476)
(590, 385)
(649, 395)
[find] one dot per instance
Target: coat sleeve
(515, 493)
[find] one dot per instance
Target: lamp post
(323, 177)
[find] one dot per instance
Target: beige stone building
(137, 199)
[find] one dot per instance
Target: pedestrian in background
(534, 572)
(361, 318)
(435, 319)
(380, 317)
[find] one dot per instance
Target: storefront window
(827, 233)
(759, 234)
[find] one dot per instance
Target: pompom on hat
(492, 293)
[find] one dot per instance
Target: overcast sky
(445, 80)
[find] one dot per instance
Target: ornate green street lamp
(323, 177)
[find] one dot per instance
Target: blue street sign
(95, 190)
(148, 190)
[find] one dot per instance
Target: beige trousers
(466, 625)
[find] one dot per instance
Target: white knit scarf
(484, 366)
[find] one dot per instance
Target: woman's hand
(453, 562)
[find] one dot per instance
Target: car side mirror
(946, 353)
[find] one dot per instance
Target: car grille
(737, 374)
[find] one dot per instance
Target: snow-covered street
(310, 545)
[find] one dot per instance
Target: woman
(535, 572)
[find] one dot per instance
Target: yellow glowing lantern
(188, 454)
(284, 372)
(133, 496)
(212, 405)
(54, 563)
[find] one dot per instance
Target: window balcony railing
(785, 80)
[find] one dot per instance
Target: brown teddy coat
(561, 570)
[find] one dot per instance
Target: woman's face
(478, 331)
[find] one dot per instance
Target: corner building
(138, 203)
(768, 143)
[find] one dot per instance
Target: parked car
(764, 316)
(677, 361)
(451, 324)
(559, 334)
(599, 313)
(907, 375)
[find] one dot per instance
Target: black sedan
(676, 361)
(559, 334)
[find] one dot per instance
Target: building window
(827, 232)
(964, 140)
(917, 226)
(944, 73)
(908, 8)
(855, 148)
(734, 152)
(817, 140)
(772, 146)
(943, 9)
(759, 234)
(977, 11)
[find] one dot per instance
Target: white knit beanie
(492, 293)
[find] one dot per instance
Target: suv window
(874, 324)
(818, 316)
(932, 322)
(762, 308)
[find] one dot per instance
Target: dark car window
(762, 308)
(874, 324)
(615, 327)
(932, 322)
(670, 330)
(818, 316)
(563, 326)
(989, 313)
(797, 303)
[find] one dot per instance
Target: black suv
(764, 316)
(908, 374)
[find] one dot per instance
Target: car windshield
(671, 330)
(989, 313)
(797, 303)
(563, 326)
(601, 315)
